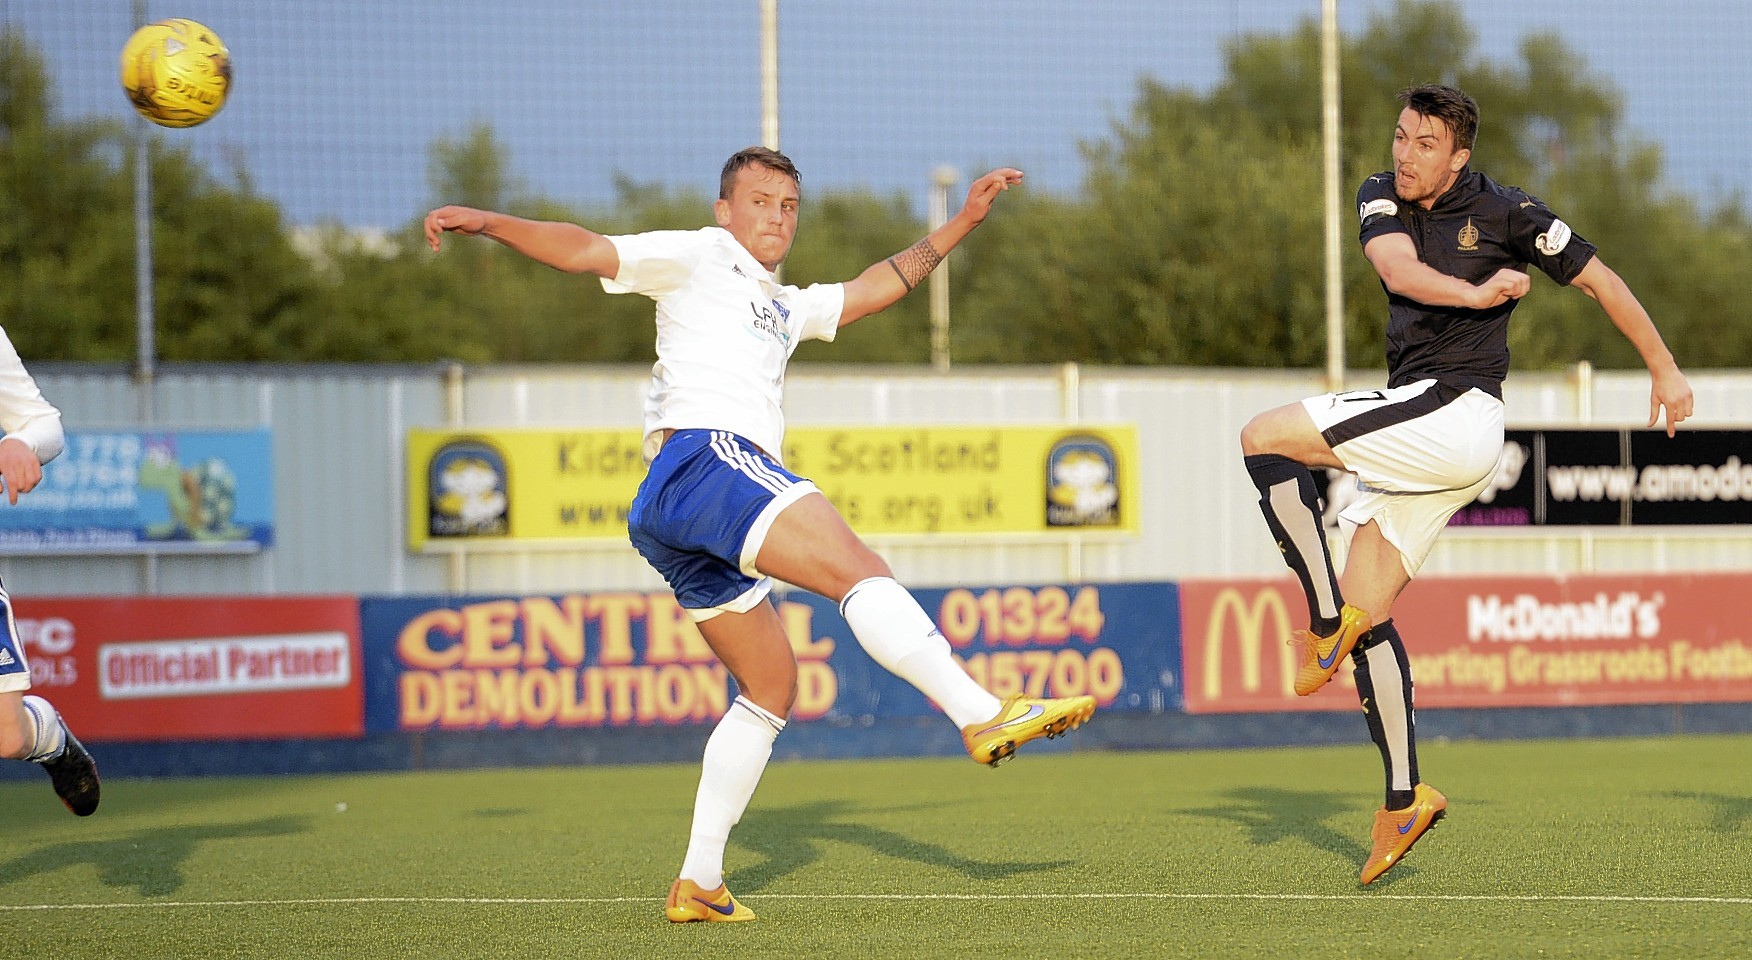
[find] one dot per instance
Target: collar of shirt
(750, 266)
(1459, 192)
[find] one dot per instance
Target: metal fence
(340, 477)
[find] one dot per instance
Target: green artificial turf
(1578, 848)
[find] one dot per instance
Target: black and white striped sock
(1291, 503)
(1383, 678)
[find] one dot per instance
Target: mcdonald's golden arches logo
(1250, 618)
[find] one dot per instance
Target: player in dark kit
(1451, 247)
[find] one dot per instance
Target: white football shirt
(725, 331)
(24, 414)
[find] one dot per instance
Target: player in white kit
(30, 728)
(719, 515)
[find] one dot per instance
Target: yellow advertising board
(472, 487)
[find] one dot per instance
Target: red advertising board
(1488, 642)
(197, 668)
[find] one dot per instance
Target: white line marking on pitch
(573, 901)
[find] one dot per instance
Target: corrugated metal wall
(340, 486)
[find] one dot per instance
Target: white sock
(49, 737)
(736, 755)
(897, 633)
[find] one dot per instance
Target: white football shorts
(1420, 453)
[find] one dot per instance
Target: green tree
(534, 312)
(498, 305)
(66, 245)
(476, 301)
(581, 322)
(840, 235)
(1147, 271)
(227, 284)
(1196, 238)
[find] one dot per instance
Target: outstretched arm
(1669, 388)
(563, 246)
(1394, 258)
(885, 282)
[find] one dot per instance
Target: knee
(868, 563)
(1288, 432)
(776, 699)
(1256, 436)
(864, 565)
(15, 741)
(775, 692)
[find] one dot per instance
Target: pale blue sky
(337, 101)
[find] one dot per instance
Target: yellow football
(177, 73)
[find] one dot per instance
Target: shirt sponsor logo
(767, 325)
(1374, 208)
(1553, 240)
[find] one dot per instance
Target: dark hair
(755, 157)
(1455, 109)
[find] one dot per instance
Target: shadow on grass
(1729, 813)
(790, 838)
(1272, 815)
(150, 861)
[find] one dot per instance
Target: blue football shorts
(14, 669)
(702, 513)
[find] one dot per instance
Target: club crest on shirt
(769, 322)
(1468, 237)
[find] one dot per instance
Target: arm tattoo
(915, 263)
